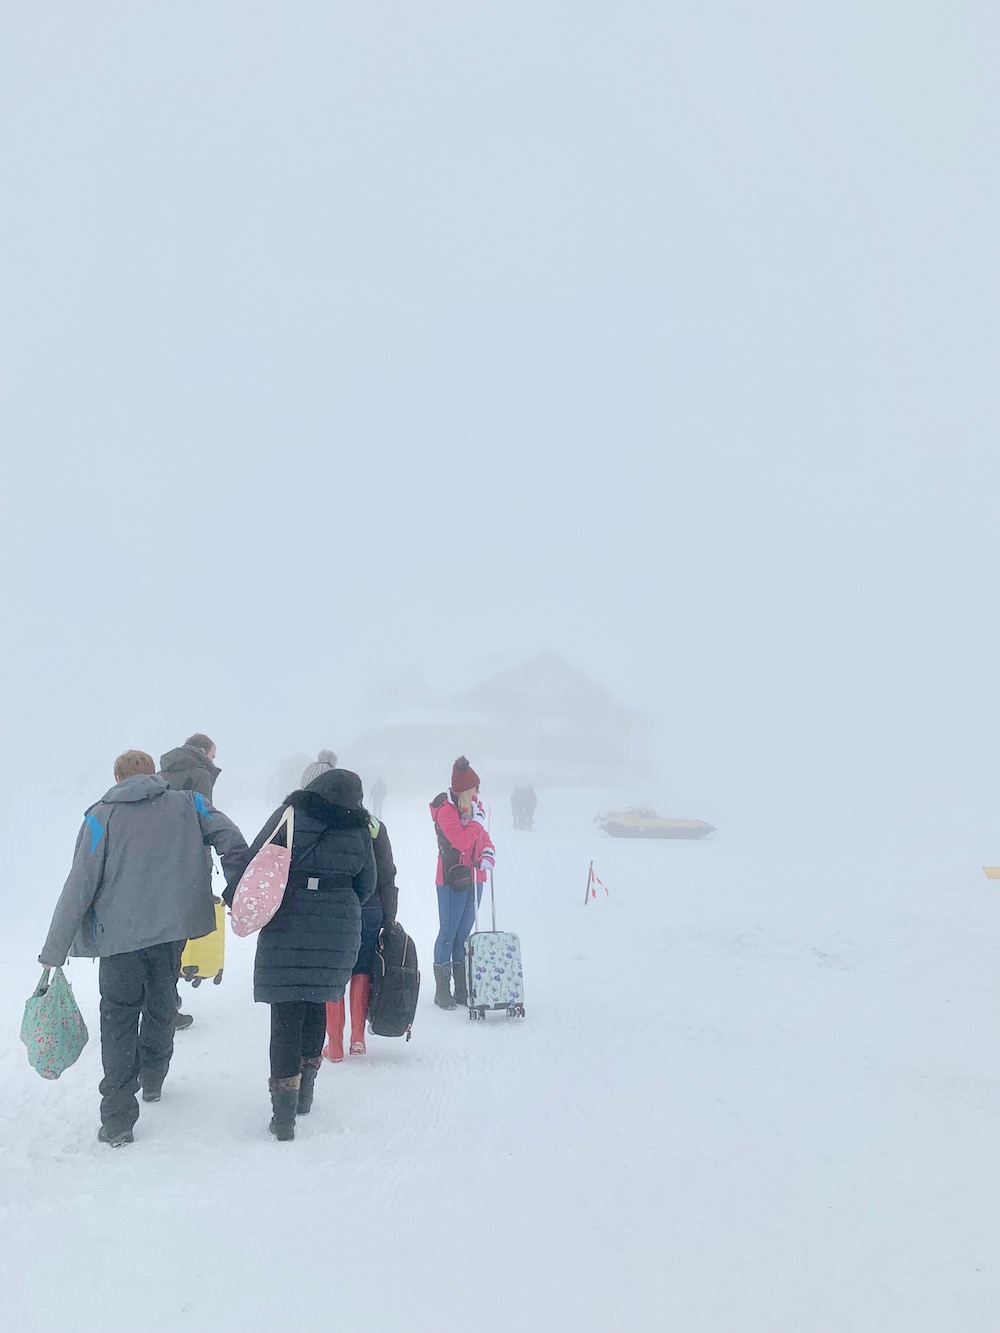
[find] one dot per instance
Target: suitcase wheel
(196, 981)
(188, 972)
(217, 978)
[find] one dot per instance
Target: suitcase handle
(475, 905)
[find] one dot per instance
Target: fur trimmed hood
(325, 812)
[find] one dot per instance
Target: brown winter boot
(284, 1101)
(307, 1083)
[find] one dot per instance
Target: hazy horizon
(340, 344)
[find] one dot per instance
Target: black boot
(307, 1083)
(284, 1101)
(117, 1138)
(442, 978)
(461, 994)
(151, 1084)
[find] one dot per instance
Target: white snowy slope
(755, 1092)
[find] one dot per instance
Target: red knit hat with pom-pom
(463, 776)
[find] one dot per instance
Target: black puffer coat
(308, 949)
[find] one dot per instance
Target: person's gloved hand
(479, 814)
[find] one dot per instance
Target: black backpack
(395, 984)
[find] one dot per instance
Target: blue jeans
(456, 912)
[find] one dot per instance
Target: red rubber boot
(334, 1048)
(361, 989)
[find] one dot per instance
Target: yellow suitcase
(202, 960)
(992, 872)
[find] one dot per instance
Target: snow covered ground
(756, 1091)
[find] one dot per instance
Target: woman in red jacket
(465, 855)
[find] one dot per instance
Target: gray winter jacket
(140, 875)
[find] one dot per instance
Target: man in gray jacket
(139, 887)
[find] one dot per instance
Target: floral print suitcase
(494, 976)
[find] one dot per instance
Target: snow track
(737, 1105)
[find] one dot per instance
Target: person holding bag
(465, 856)
(138, 888)
(307, 950)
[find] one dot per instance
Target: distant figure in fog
(139, 887)
(326, 761)
(528, 803)
(378, 797)
(522, 807)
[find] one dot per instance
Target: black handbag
(460, 878)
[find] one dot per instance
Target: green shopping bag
(53, 1029)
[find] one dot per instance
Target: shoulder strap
(287, 821)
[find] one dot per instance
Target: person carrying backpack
(377, 912)
(465, 856)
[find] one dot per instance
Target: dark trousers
(298, 1029)
(138, 1012)
(372, 916)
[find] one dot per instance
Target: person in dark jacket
(307, 951)
(516, 806)
(528, 807)
(139, 887)
(379, 911)
(191, 767)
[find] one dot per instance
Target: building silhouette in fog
(542, 721)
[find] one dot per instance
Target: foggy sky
(346, 340)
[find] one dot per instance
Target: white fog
(607, 394)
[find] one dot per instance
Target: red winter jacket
(471, 841)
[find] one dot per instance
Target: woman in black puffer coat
(307, 951)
